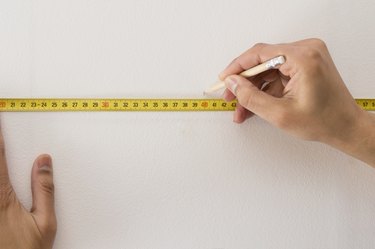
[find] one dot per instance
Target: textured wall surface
(181, 180)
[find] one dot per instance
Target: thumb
(253, 99)
(43, 193)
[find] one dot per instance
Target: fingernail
(231, 84)
(45, 168)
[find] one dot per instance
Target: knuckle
(312, 54)
(6, 193)
(319, 43)
(48, 225)
(315, 50)
(234, 62)
(259, 45)
(47, 186)
(52, 225)
(313, 59)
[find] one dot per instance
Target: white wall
(181, 180)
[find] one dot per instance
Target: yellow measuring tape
(72, 105)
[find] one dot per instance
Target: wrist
(358, 139)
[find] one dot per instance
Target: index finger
(258, 54)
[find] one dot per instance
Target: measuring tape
(72, 105)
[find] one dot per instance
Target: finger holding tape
(253, 99)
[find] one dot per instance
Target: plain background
(181, 180)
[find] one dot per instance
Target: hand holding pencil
(265, 66)
(305, 96)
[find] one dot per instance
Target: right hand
(306, 96)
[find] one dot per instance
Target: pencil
(270, 64)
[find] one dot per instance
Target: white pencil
(270, 64)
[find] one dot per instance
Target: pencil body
(270, 64)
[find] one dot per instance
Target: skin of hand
(20, 228)
(306, 97)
